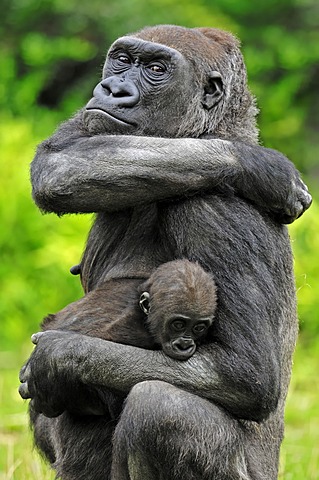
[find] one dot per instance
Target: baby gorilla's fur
(178, 303)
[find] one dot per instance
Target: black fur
(177, 291)
(218, 415)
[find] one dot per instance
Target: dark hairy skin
(180, 301)
(173, 310)
(166, 153)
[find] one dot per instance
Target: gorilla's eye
(124, 59)
(178, 325)
(199, 328)
(157, 68)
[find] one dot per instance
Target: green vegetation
(51, 52)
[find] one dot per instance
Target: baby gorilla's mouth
(175, 351)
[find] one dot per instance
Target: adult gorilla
(221, 202)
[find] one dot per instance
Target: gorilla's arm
(74, 172)
(62, 361)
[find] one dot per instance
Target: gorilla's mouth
(178, 353)
(115, 119)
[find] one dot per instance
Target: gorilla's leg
(167, 433)
(78, 447)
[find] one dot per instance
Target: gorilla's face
(146, 89)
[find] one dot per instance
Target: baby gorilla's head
(180, 301)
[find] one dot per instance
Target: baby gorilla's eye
(178, 325)
(199, 328)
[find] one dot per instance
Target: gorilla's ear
(145, 302)
(213, 90)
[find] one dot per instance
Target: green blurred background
(51, 57)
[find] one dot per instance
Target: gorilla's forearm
(72, 358)
(109, 173)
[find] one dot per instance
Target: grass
(300, 451)
(17, 459)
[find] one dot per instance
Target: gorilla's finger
(24, 373)
(35, 337)
(24, 391)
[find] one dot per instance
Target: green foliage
(300, 450)
(36, 250)
(305, 241)
(51, 55)
(16, 461)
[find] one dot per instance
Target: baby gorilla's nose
(183, 343)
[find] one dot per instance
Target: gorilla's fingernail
(35, 338)
(24, 391)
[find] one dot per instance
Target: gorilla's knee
(156, 410)
(151, 409)
(148, 392)
(155, 398)
(146, 401)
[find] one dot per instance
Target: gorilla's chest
(220, 232)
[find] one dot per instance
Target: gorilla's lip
(179, 354)
(112, 117)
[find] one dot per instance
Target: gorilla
(180, 303)
(174, 313)
(166, 154)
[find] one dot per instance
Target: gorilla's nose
(120, 92)
(183, 343)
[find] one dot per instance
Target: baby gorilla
(180, 301)
(173, 310)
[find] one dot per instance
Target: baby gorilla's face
(180, 334)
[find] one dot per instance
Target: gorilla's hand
(271, 181)
(298, 201)
(48, 376)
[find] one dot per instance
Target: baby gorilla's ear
(144, 302)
